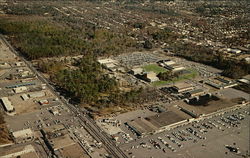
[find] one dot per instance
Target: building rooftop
(23, 133)
(182, 85)
(7, 104)
(27, 151)
(61, 142)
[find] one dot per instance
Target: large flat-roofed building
(37, 94)
(20, 89)
(136, 71)
(23, 135)
(220, 83)
(26, 151)
(150, 76)
(195, 92)
(182, 87)
(60, 142)
(174, 67)
(111, 64)
(141, 126)
(53, 129)
(7, 104)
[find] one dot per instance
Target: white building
(150, 76)
(20, 89)
(24, 97)
(182, 87)
(137, 71)
(23, 135)
(37, 94)
(7, 104)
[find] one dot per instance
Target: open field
(155, 68)
(190, 75)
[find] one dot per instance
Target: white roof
(23, 133)
(7, 104)
(170, 62)
(244, 81)
(20, 89)
(36, 94)
(106, 61)
(24, 97)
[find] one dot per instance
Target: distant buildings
(171, 65)
(220, 83)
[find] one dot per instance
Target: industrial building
(36, 94)
(7, 105)
(23, 135)
(155, 123)
(136, 71)
(195, 92)
(60, 142)
(57, 137)
(24, 97)
(20, 89)
(110, 64)
(220, 83)
(174, 67)
(27, 151)
(140, 126)
(182, 87)
(150, 76)
(43, 102)
(245, 79)
(171, 65)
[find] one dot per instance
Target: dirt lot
(29, 105)
(5, 53)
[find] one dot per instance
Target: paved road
(89, 123)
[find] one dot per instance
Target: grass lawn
(190, 75)
(155, 68)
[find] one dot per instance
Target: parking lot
(205, 138)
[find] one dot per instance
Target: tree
(168, 75)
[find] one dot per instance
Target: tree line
(41, 38)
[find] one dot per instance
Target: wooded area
(41, 38)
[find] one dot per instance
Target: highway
(88, 122)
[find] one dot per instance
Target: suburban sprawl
(124, 79)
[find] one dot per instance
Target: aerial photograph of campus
(124, 78)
